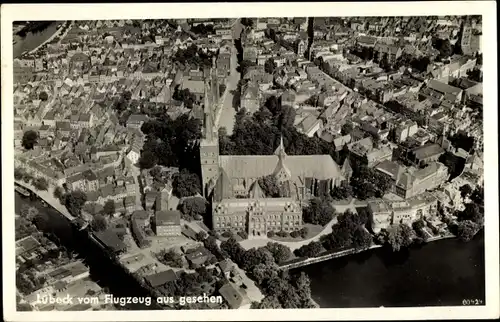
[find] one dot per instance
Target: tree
(362, 239)
(347, 128)
(186, 184)
(41, 184)
(234, 250)
(268, 302)
(418, 225)
(201, 235)
(58, 193)
(303, 232)
(444, 46)
(74, 202)
(99, 223)
(477, 196)
(43, 96)
(193, 206)
(263, 272)
(466, 230)
(318, 212)
(269, 66)
(30, 138)
(312, 249)
(344, 191)
(244, 65)
(19, 173)
(400, 236)
(472, 212)
(247, 22)
(109, 208)
(171, 258)
(465, 191)
(303, 284)
(269, 186)
(280, 252)
(253, 257)
(147, 160)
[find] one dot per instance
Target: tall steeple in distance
(208, 126)
(280, 151)
(214, 82)
(209, 143)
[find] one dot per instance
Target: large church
(230, 182)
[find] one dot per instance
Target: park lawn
(313, 230)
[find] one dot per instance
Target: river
(103, 270)
(33, 40)
(440, 273)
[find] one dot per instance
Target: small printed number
(472, 302)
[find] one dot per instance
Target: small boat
(23, 191)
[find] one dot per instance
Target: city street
(225, 117)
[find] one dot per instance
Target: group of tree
(342, 192)
(397, 236)
(186, 184)
(367, 182)
(74, 201)
(171, 258)
(185, 96)
(472, 212)
(30, 139)
(171, 142)
(244, 65)
(312, 249)
(192, 56)
(349, 231)
(318, 212)
(270, 186)
(98, 223)
(43, 96)
(269, 66)
(444, 46)
(193, 208)
(40, 184)
(202, 29)
(247, 22)
(281, 289)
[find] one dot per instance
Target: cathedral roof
(321, 167)
(223, 188)
(256, 191)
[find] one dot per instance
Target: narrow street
(225, 117)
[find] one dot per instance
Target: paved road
(225, 118)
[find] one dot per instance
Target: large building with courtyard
(231, 182)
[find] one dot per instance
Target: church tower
(209, 143)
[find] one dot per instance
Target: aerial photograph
(248, 163)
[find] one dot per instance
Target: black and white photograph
(249, 156)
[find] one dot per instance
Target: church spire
(214, 82)
(280, 151)
(208, 126)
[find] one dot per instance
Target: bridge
(325, 257)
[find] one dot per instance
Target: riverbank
(32, 41)
(48, 197)
(346, 252)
